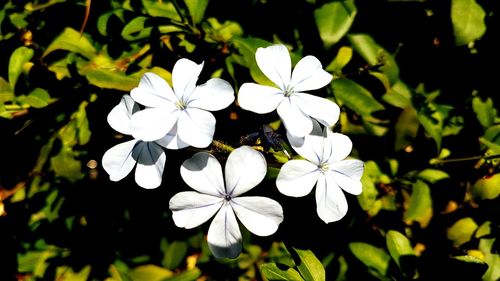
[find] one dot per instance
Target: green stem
(222, 146)
(178, 10)
(472, 158)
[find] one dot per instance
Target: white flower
(324, 166)
(294, 107)
(119, 160)
(180, 117)
(245, 168)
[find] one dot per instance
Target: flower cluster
(180, 116)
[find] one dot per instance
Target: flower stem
(472, 158)
(222, 146)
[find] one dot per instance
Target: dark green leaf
(174, 254)
(136, 29)
(65, 165)
(401, 252)
(406, 128)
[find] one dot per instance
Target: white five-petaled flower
(245, 168)
(294, 107)
(180, 117)
(119, 160)
(324, 166)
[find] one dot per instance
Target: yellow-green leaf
(334, 19)
(467, 18)
(17, 62)
(72, 41)
(461, 231)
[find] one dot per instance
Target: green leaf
(355, 96)
(432, 175)
(174, 254)
(64, 273)
(34, 262)
(406, 128)
(17, 62)
(491, 258)
(401, 252)
(71, 40)
(150, 272)
(374, 55)
(246, 48)
(196, 9)
(273, 273)
(485, 111)
(343, 57)
(309, 266)
(432, 118)
(188, 275)
(65, 165)
(467, 18)
(470, 266)
(376, 259)
(461, 231)
(420, 205)
(164, 9)
(103, 20)
(224, 32)
(112, 80)
(334, 20)
(38, 98)
(487, 188)
(136, 29)
(368, 198)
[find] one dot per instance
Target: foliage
(418, 100)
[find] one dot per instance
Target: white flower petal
(184, 77)
(274, 61)
(118, 161)
(297, 178)
(190, 209)
(325, 111)
(150, 164)
(214, 95)
(308, 74)
(154, 123)
(172, 140)
(347, 174)
(260, 215)
(119, 116)
(224, 236)
(196, 127)
(203, 173)
(259, 98)
(296, 122)
(153, 91)
(311, 147)
(331, 203)
(341, 146)
(245, 168)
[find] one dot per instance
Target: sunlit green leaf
(432, 119)
(343, 57)
(188, 275)
(468, 21)
(485, 111)
(72, 41)
(376, 259)
(196, 9)
(38, 98)
(112, 80)
(66, 273)
(150, 272)
(103, 20)
(164, 9)
(375, 55)
(272, 272)
(34, 262)
(309, 266)
(136, 29)
(401, 251)
(19, 58)
(355, 96)
(487, 188)
(462, 230)
(334, 19)
(246, 48)
(491, 258)
(222, 32)
(432, 175)
(420, 205)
